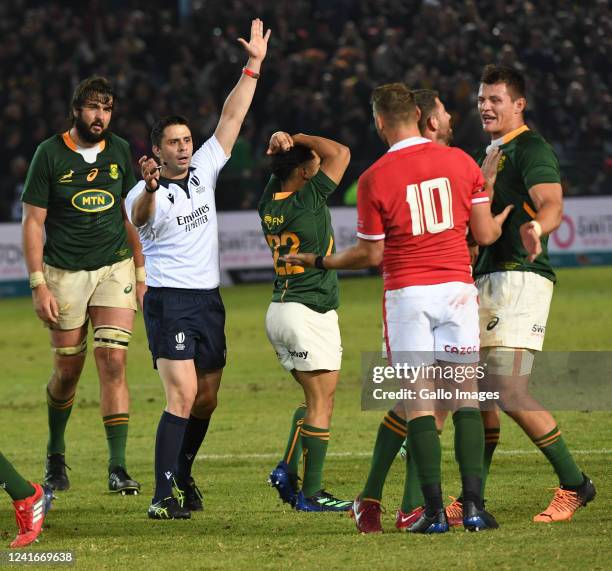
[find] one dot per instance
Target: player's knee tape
(111, 337)
(70, 351)
(507, 361)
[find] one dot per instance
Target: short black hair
(95, 87)
(514, 80)
(283, 163)
(426, 102)
(157, 132)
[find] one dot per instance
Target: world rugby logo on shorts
(180, 341)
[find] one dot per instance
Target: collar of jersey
(73, 146)
(507, 137)
(409, 142)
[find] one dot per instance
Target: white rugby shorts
(304, 339)
(429, 323)
(514, 309)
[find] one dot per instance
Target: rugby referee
(174, 211)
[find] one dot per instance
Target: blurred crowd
(324, 58)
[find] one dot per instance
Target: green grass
(244, 526)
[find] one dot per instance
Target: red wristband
(250, 73)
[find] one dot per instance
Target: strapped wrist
(141, 274)
(537, 227)
(36, 279)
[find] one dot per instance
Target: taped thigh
(111, 337)
(507, 361)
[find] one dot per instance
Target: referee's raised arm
(239, 100)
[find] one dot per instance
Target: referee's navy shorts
(186, 324)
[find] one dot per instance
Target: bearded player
(80, 252)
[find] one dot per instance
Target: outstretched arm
(239, 100)
(364, 254)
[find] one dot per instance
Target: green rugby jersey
(300, 222)
(527, 160)
(84, 226)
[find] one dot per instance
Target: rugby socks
(58, 415)
(391, 435)
(293, 451)
(170, 432)
(424, 447)
(469, 451)
(314, 446)
(491, 439)
(116, 428)
(194, 436)
(413, 495)
(554, 448)
(12, 482)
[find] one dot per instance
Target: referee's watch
(151, 190)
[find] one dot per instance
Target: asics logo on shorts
(492, 323)
(299, 354)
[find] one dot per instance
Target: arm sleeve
(317, 190)
(273, 186)
(478, 192)
(38, 180)
(370, 224)
(209, 159)
(538, 164)
(129, 179)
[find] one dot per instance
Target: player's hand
(304, 260)
(258, 44)
(501, 217)
(150, 172)
(141, 289)
(473, 254)
(531, 240)
(45, 304)
(279, 142)
(489, 166)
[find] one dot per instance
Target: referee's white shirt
(181, 242)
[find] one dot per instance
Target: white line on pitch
(271, 455)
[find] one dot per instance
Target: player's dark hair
(426, 101)
(284, 163)
(514, 80)
(96, 88)
(395, 102)
(157, 132)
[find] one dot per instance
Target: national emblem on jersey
(502, 162)
(113, 171)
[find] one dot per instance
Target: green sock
(391, 435)
(116, 427)
(58, 413)
(491, 440)
(469, 441)
(424, 447)
(554, 448)
(314, 445)
(12, 481)
(294, 444)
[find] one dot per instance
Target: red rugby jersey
(418, 198)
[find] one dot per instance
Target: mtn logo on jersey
(93, 200)
(270, 221)
(180, 341)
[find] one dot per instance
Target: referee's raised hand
(150, 172)
(258, 44)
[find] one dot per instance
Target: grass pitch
(244, 526)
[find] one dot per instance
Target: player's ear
(157, 151)
(433, 123)
(520, 104)
(378, 122)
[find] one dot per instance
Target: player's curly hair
(284, 163)
(395, 102)
(95, 87)
(514, 80)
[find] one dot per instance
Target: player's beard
(84, 131)
(448, 137)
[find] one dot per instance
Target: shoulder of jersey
(117, 140)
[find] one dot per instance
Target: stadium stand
(325, 57)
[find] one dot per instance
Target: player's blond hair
(395, 103)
